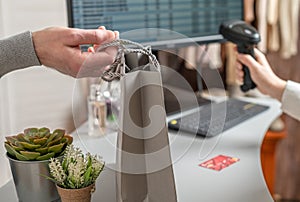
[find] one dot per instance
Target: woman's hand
(261, 73)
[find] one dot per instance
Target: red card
(219, 162)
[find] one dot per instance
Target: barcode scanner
(245, 37)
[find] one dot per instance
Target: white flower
(57, 171)
(76, 170)
(97, 166)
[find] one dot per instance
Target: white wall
(37, 96)
(1, 20)
(32, 14)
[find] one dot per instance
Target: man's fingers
(91, 50)
(97, 59)
(111, 51)
(97, 36)
(102, 27)
(117, 34)
(94, 62)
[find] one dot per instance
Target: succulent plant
(37, 144)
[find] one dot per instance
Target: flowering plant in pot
(76, 174)
(29, 153)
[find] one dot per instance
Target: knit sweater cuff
(17, 52)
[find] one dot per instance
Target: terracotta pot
(76, 195)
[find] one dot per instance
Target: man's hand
(59, 48)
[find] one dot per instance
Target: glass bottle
(112, 97)
(96, 111)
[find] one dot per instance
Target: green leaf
(46, 156)
(59, 132)
(58, 136)
(21, 157)
(71, 184)
(26, 138)
(30, 155)
(30, 146)
(21, 138)
(56, 148)
(10, 149)
(18, 147)
(50, 138)
(89, 162)
(53, 142)
(40, 141)
(42, 150)
(11, 139)
(64, 140)
(87, 174)
(64, 164)
(44, 132)
(70, 139)
(31, 132)
(67, 139)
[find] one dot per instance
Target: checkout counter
(241, 181)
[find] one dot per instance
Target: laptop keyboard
(215, 118)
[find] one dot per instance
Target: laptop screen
(183, 85)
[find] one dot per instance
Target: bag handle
(117, 68)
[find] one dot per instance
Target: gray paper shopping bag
(144, 165)
(145, 168)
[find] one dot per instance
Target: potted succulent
(76, 174)
(29, 153)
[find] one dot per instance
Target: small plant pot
(76, 195)
(30, 181)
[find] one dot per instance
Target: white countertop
(242, 181)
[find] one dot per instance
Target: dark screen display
(199, 19)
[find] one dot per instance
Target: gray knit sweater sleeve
(17, 52)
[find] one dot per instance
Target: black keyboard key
(215, 118)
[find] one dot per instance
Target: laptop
(187, 110)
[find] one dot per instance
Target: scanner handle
(248, 82)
